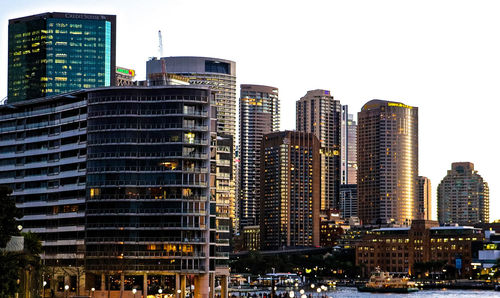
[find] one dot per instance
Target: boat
(383, 282)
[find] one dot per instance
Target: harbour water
(353, 292)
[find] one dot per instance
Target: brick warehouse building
(397, 250)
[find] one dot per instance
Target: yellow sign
(397, 104)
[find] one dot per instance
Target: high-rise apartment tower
(259, 115)
(290, 190)
(318, 113)
(463, 196)
(220, 76)
(387, 163)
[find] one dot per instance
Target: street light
(302, 291)
(160, 291)
(66, 288)
(134, 291)
(93, 290)
(43, 288)
(291, 294)
(312, 286)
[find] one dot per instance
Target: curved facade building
(217, 74)
(43, 159)
(387, 163)
(120, 183)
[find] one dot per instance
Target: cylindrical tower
(387, 163)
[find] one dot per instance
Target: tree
(8, 214)
(31, 263)
(9, 274)
(9, 261)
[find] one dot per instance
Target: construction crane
(163, 76)
(160, 43)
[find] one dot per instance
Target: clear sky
(442, 56)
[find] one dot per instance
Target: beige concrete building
(424, 198)
(463, 196)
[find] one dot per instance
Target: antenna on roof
(160, 43)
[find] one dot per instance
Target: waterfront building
(318, 113)
(331, 229)
(290, 190)
(348, 200)
(488, 253)
(387, 163)
(52, 53)
(463, 196)
(348, 147)
(220, 76)
(398, 250)
(118, 183)
(259, 115)
(124, 76)
(43, 159)
(424, 198)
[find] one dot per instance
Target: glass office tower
(53, 53)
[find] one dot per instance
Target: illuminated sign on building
(125, 71)
(397, 104)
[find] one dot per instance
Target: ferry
(383, 282)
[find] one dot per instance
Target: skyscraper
(348, 147)
(318, 113)
(463, 196)
(424, 198)
(55, 52)
(387, 163)
(259, 115)
(290, 196)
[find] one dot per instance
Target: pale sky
(442, 56)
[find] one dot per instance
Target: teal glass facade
(55, 53)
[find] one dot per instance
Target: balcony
(144, 240)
